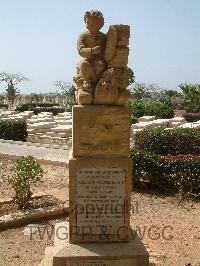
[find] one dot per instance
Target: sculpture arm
(82, 49)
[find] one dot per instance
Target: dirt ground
(169, 229)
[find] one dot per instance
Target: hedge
(3, 105)
(192, 117)
(53, 110)
(158, 109)
(32, 106)
(134, 119)
(167, 173)
(13, 130)
(163, 142)
(38, 108)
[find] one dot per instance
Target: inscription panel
(120, 262)
(100, 200)
(86, 263)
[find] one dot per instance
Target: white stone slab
(146, 118)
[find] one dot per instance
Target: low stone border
(21, 218)
(60, 147)
(34, 196)
(42, 161)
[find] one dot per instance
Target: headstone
(100, 169)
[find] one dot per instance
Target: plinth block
(100, 130)
(132, 253)
(99, 195)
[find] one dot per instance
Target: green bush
(53, 110)
(163, 142)
(133, 119)
(13, 130)
(192, 117)
(25, 107)
(41, 107)
(178, 174)
(137, 108)
(191, 95)
(26, 172)
(3, 105)
(161, 109)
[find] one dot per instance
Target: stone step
(64, 122)
(146, 118)
(56, 134)
(13, 118)
(39, 119)
(190, 125)
(53, 138)
(62, 128)
(41, 125)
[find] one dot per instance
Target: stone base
(63, 253)
(99, 195)
(100, 130)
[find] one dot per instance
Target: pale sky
(38, 39)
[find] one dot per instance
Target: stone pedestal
(100, 174)
(100, 130)
(100, 181)
(99, 195)
(131, 253)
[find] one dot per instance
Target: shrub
(31, 106)
(13, 130)
(137, 108)
(25, 107)
(192, 117)
(168, 159)
(53, 110)
(26, 172)
(163, 172)
(2, 105)
(40, 107)
(191, 94)
(161, 109)
(175, 141)
(134, 119)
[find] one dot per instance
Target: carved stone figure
(102, 74)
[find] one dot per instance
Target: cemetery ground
(168, 228)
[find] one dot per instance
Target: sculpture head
(94, 21)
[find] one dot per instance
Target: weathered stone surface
(132, 253)
(100, 170)
(101, 131)
(112, 86)
(99, 195)
(100, 53)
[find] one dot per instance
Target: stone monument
(100, 169)
(102, 74)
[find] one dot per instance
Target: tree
(131, 76)
(172, 93)
(11, 80)
(68, 90)
(2, 97)
(139, 91)
(36, 97)
(191, 94)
